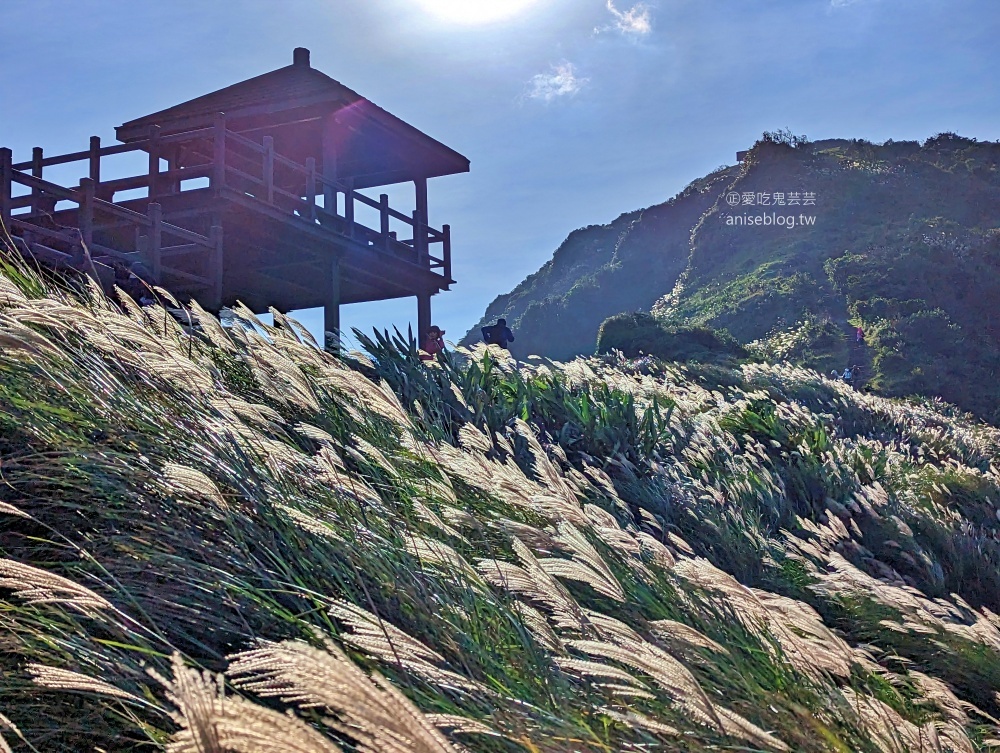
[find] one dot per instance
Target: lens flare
(472, 12)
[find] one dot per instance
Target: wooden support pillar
(95, 170)
(423, 316)
(155, 213)
(6, 184)
(311, 187)
(154, 161)
(328, 161)
(420, 221)
(37, 156)
(349, 210)
(383, 215)
(95, 159)
(85, 217)
(331, 309)
(215, 272)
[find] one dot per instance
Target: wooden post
(154, 161)
(420, 220)
(85, 218)
(95, 159)
(331, 309)
(269, 169)
(383, 213)
(219, 154)
(419, 239)
(423, 316)
(6, 184)
(215, 275)
(155, 213)
(311, 187)
(37, 157)
(349, 210)
(446, 251)
(329, 164)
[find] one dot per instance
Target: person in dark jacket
(134, 279)
(498, 334)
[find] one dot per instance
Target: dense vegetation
(906, 243)
(227, 540)
(637, 333)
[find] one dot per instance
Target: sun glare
(474, 11)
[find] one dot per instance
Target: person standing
(859, 335)
(498, 334)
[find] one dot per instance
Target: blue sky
(571, 111)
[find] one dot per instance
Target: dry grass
(778, 564)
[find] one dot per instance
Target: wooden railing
(163, 240)
(233, 162)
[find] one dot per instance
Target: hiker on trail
(135, 280)
(498, 334)
(860, 335)
(848, 376)
(433, 343)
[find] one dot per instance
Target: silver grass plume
(64, 679)
(532, 581)
(382, 640)
(192, 482)
(36, 586)
(635, 720)
(213, 722)
(369, 709)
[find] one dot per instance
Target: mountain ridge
(905, 239)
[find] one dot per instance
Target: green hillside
(600, 271)
(227, 540)
(904, 240)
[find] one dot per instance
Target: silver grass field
(223, 539)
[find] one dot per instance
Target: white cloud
(561, 81)
(637, 20)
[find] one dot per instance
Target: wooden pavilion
(251, 194)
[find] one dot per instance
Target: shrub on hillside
(638, 332)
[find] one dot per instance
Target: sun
(474, 12)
